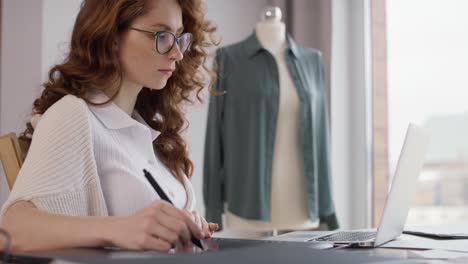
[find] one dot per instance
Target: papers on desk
(415, 242)
(401, 261)
(439, 232)
(439, 254)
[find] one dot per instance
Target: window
(427, 66)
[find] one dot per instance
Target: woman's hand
(159, 226)
(207, 228)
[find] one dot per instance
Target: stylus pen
(163, 196)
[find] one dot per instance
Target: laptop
(399, 198)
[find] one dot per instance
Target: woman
(112, 109)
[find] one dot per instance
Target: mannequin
(288, 197)
(271, 32)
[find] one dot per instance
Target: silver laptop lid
(404, 184)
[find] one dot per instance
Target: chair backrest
(11, 157)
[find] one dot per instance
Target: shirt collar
(252, 45)
(139, 118)
(113, 117)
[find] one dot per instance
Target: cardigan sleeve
(59, 174)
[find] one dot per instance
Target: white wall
(349, 123)
(21, 56)
(340, 106)
(57, 24)
(20, 61)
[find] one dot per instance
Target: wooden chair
(11, 157)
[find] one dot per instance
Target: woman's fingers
(186, 223)
(213, 227)
(163, 233)
(160, 226)
(205, 227)
(198, 221)
(153, 243)
(177, 226)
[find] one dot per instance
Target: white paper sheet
(439, 254)
(415, 242)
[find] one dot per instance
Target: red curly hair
(92, 62)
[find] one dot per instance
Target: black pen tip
(198, 243)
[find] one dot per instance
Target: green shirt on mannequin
(241, 130)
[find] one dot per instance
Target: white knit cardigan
(61, 146)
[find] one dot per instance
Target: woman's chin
(159, 86)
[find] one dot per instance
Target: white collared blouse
(89, 160)
(123, 148)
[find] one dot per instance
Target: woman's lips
(166, 72)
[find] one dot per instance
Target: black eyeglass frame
(156, 34)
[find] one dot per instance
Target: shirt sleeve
(59, 174)
(213, 167)
(326, 204)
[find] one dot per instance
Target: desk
(93, 253)
(290, 253)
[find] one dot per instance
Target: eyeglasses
(165, 40)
